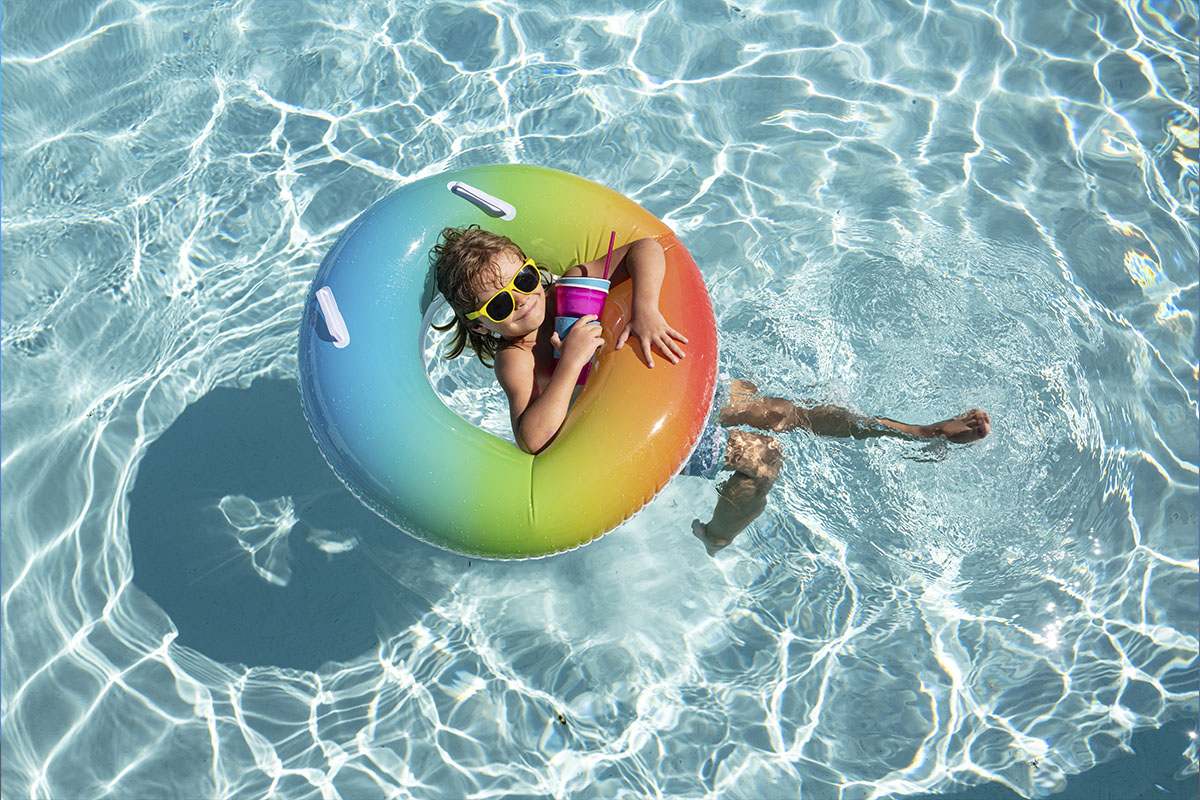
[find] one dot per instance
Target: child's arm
(643, 261)
(537, 415)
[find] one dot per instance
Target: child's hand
(652, 329)
(582, 342)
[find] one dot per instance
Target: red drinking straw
(611, 241)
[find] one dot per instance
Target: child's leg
(747, 407)
(755, 459)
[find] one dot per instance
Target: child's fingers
(677, 335)
(672, 347)
(555, 341)
(647, 353)
(586, 319)
(621, 338)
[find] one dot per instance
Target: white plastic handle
(333, 317)
(492, 205)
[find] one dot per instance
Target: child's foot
(700, 531)
(969, 427)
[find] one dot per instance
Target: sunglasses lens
(500, 307)
(527, 279)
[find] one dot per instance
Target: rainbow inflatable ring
(407, 456)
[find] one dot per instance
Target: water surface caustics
(909, 209)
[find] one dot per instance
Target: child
(500, 312)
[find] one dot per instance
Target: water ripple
(906, 210)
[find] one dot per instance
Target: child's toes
(976, 417)
(973, 426)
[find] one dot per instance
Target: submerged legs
(756, 458)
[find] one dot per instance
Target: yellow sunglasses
(502, 304)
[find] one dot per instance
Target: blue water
(905, 209)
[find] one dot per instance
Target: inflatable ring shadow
(250, 545)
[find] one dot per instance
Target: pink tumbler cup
(576, 297)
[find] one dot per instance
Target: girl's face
(530, 310)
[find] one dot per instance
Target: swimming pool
(905, 209)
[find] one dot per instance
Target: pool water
(904, 209)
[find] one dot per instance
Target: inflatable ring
(407, 456)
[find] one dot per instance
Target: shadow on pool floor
(1153, 772)
(242, 463)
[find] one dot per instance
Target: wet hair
(463, 261)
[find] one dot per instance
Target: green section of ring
(383, 430)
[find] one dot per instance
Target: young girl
(503, 313)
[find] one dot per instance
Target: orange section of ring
(628, 432)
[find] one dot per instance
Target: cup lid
(586, 283)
